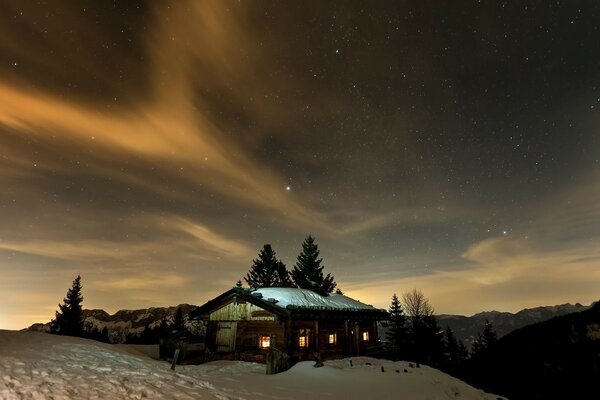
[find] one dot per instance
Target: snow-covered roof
(304, 298)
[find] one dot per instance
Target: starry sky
(154, 147)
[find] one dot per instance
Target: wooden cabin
(244, 324)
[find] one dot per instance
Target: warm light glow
(332, 338)
(303, 341)
(264, 342)
(365, 336)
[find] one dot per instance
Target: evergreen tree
(178, 322)
(452, 351)
(463, 353)
(396, 334)
(485, 339)
(308, 271)
(97, 334)
(238, 284)
(283, 276)
(69, 317)
(267, 271)
(104, 335)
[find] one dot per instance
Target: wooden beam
(357, 338)
(347, 343)
(316, 345)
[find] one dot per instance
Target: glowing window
(332, 338)
(365, 336)
(264, 342)
(303, 341)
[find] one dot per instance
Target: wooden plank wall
(240, 312)
(344, 346)
(249, 331)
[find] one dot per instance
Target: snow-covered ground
(36, 365)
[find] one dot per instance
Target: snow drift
(36, 365)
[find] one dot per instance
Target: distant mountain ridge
(128, 322)
(467, 328)
(555, 359)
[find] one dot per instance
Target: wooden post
(347, 343)
(316, 345)
(357, 337)
(289, 332)
(175, 357)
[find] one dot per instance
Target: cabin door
(226, 336)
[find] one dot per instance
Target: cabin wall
(238, 340)
(348, 337)
(238, 311)
(234, 330)
(250, 331)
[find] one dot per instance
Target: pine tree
(69, 317)
(451, 347)
(104, 335)
(485, 339)
(308, 271)
(283, 276)
(238, 284)
(463, 352)
(178, 322)
(396, 334)
(267, 271)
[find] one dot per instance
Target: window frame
(306, 341)
(331, 335)
(261, 341)
(365, 336)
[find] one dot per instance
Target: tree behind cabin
(69, 317)
(308, 271)
(267, 271)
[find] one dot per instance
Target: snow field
(36, 365)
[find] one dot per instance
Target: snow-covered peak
(304, 298)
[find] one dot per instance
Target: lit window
(365, 336)
(264, 342)
(332, 338)
(303, 341)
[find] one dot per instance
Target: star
(288, 188)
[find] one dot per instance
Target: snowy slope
(36, 365)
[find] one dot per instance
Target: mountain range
(128, 322)
(467, 328)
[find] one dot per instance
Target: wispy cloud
(555, 257)
(207, 238)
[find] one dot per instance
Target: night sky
(155, 147)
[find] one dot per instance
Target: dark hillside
(555, 359)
